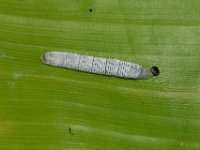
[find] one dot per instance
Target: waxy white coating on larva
(97, 65)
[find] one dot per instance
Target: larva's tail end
(43, 58)
(155, 71)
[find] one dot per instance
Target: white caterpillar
(98, 65)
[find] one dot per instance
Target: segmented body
(97, 65)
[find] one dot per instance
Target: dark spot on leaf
(90, 10)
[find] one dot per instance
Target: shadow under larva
(98, 65)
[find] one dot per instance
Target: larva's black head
(43, 58)
(155, 71)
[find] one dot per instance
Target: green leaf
(39, 103)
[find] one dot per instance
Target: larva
(98, 65)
